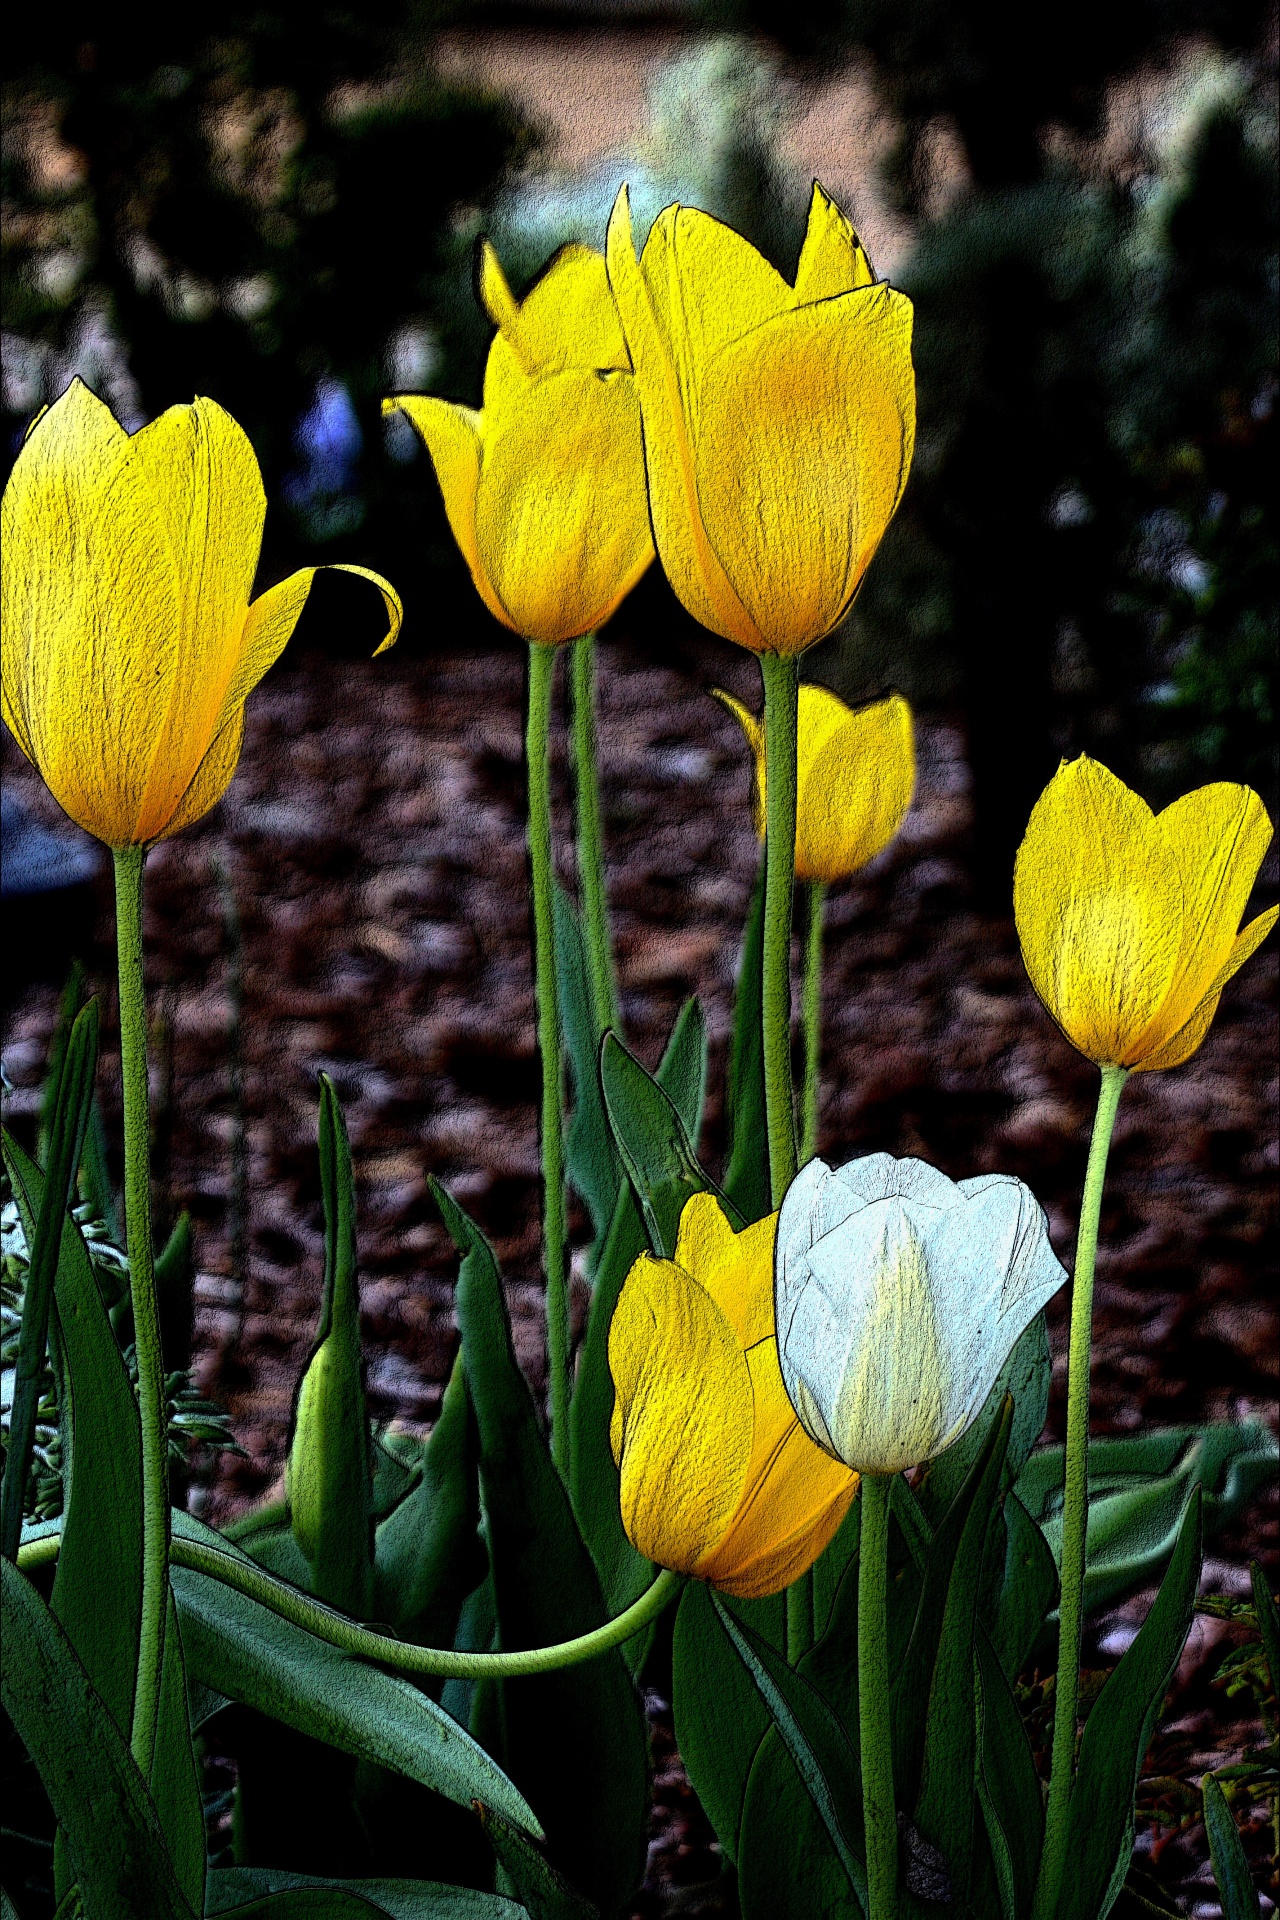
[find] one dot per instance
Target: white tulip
(899, 1295)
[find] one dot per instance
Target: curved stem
(595, 901)
(878, 1811)
(781, 700)
(146, 1314)
(542, 666)
(1075, 1504)
(291, 1604)
(811, 1018)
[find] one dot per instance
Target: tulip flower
(855, 774)
(130, 642)
(544, 485)
(899, 1296)
(718, 1480)
(778, 420)
(1129, 919)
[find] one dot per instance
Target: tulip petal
(682, 1423)
(560, 524)
(271, 619)
(856, 779)
(451, 435)
(692, 567)
(1098, 909)
(213, 776)
(567, 318)
(832, 259)
(736, 1269)
(802, 447)
(1182, 1044)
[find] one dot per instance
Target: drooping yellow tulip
(1129, 919)
(544, 486)
(855, 775)
(719, 1479)
(778, 421)
(129, 640)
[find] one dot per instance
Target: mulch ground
(373, 843)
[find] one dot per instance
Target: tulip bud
(899, 1295)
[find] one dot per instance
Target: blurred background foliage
(278, 206)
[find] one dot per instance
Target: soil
(373, 843)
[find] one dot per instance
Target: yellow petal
(682, 1423)
(213, 777)
(693, 569)
(567, 318)
(736, 1269)
(1183, 1043)
(754, 732)
(1098, 909)
(832, 259)
(802, 447)
(451, 435)
(856, 779)
(561, 526)
(272, 617)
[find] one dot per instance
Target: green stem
(595, 901)
(781, 700)
(289, 1603)
(811, 1016)
(1075, 1505)
(879, 1815)
(542, 665)
(146, 1314)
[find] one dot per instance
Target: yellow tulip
(1129, 919)
(129, 640)
(719, 1479)
(778, 421)
(855, 775)
(544, 486)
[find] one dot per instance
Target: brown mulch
(374, 842)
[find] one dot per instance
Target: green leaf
(831, 1567)
(591, 1159)
(231, 1887)
(593, 1476)
(746, 1171)
(814, 1740)
(1268, 1617)
(428, 1556)
(241, 1649)
(787, 1866)
(1118, 1732)
(323, 1902)
(66, 1137)
(1226, 1852)
(1008, 1785)
(720, 1717)
(1028, 1591)
(574, 1740)
(654, 1144)
(1137, 1491)
(109, 1824)
(946, 1808)
(1025, 1376)
(545, 1893)
(175, 1776)
(330, 1471)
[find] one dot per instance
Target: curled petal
(451, 435)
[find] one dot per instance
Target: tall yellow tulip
(855, 775)
(778, 421)
(544, 485)
(719, 1479)
(1129, 919)
(130, 643)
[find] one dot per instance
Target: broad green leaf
(946, 1808)
(44, 1243)
(591, 1160)
(241, 1649)
(1226, 1853)
(1118, 1732)
(1025, 1376)
(574, 1741)
(230, 1888)
(175, 1775)
(1028, 1591)
(830, 1569)
(746, 1171)
(110, 1827)
(330, 1471)
(814, 1740)
(397, 1468)
(593, 1476)
(1137, 1491)
(428, 1555)
(546, 1894)
(323, 1902)
(1008, 1785)
(1268, 1617)
(654, 1144)
(787, 1866)
(720, 1717)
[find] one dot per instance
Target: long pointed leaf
(655, 1147)
(591, 1159)
(231, 1888)
(1227, 1855)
